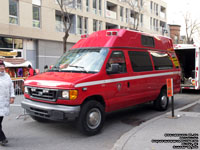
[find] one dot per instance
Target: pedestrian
(31, 71)
(7, 97)
(45, 68)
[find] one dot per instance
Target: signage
(3, 53)
(170, 92)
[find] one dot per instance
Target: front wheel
(161, 103)
(91, 118)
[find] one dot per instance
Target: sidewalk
(165, 132)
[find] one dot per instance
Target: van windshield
(81, 60)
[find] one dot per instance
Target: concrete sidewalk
(165, 132)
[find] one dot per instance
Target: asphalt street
(26, 134)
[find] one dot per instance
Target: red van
(103, 72)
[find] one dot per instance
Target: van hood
(57, 79)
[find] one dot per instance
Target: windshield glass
(81, 60)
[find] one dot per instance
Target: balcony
(111, 14)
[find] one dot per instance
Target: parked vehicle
(188, 55)
(106, 71)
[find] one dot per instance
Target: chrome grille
(43, 93)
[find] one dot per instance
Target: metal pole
(172, 106)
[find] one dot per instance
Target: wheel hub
(94, 118)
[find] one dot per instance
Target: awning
(15, 62)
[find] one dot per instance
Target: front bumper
(50, 111)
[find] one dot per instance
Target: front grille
(43, 93)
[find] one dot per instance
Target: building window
(36, 16)
(100, 25)
(151, 20)
(13, 11)
(6, 42)
(94, 6)
(79, 25)
(87, 5)
(151, 6)
(94, 25)
(86, 25)
(127, 15)
(59, 24)
(79, 4)
(100, 7)
(18, 43)
(121, 13)
(141, 20)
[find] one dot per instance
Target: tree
(137, 8)
(65, 17)
(191, 27)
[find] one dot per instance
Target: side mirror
(114, 68)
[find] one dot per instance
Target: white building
(34, 28)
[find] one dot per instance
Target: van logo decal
(119, 85)
(125, 79)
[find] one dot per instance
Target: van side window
(140, 61)
(117, 57)
(147, 41)
(161, 60)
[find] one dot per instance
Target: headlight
(26, 89)
(70, 94)
(65, 94)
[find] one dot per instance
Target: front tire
(161, 103)
(91, 118)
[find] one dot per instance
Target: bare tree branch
(137, 9)
(65, 16)
(191, 27)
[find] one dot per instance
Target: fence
(18, 86)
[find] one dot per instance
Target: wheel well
(164, 87)
(98, 98)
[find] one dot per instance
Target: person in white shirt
(7, 97)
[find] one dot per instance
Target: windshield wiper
(81, 67)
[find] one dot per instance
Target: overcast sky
(177, 8)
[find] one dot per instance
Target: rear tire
(161, 103)
(38, 119)
(91, 118)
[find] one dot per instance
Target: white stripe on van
(125, 79)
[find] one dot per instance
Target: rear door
(197, 69)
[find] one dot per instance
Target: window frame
(149, 57)
(158, 65)
(36, 21)
(16, 18)
(123, 53)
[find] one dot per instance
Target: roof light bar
(84, 36)
(111, 33)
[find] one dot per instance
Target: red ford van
(103, 72)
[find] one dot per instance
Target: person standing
(31, 71)
(7, 97)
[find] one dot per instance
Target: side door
(141, 83)
(116, 87)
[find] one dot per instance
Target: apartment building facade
(34, 28)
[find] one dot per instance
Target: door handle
(128, 84)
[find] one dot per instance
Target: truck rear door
(197, 68)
